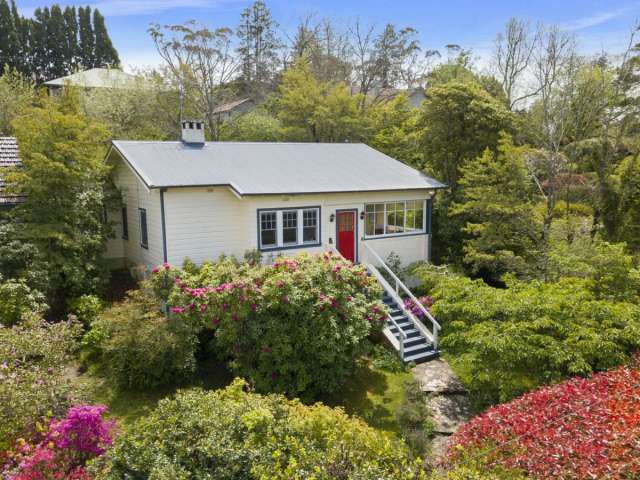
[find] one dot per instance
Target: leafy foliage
(232, 434)
(581, 428)
(61, 152)
(295, 326)
(508, 341)
(18, 302)
(33, 383)
(497, 204)
(137, 347)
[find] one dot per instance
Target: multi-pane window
(125, 224)
(268, 229)
(144, 238)
(374, 224)
(414, 216)
(290, 227)
(394, 218)
(310, 225)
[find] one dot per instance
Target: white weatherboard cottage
(196, 199)
(199, 200)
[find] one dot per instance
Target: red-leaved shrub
(582, 428)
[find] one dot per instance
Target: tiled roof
(8, 158)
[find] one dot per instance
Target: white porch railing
(394, 292)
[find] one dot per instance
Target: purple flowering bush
(65, 448)
(295, 326)
(426, 301)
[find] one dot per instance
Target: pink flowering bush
(426, 301)
(295, 326)
(65, 448)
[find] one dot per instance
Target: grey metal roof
(252, 168)
(9, 157)
(95, 78)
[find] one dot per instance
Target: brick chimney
(193, 132)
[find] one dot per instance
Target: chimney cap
(192, 132)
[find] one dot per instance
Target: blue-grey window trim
(146, 227)
(164, 227)
(289, 247)
(355, 234)
(426, 230)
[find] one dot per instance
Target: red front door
(346, 235)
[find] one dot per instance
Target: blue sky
(471, 24)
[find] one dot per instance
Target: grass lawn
(128, 406)
(373, 394)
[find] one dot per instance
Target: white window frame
(404, 233)
(300, 243)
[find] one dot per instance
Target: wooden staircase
(404, 330)
(412, 345)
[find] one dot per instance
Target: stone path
(446, 398)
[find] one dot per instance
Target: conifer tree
(56, 44)
(71, 44)
(259, 44)
(8, 37)
(87, 39)
(104, 53)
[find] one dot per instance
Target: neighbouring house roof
(9, 157)
(253, 168)
(228, 107)
(95, 78)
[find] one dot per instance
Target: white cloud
(596, 19)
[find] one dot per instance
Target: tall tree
(9, 40)
(392, 50)
(71, 33)
(259, 45)
(104, 53)
(497, 202)
(39, 44)
(201, 64)
(63, 178)
(87, 38)
(56, 44)
(513, 55)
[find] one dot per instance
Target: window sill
(393, 235)
(289, 247)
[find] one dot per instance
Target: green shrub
(18, 302)
(414, 418)
(33, 381)
(295, 327)
(86, 308)
(507, 341)
(136, 347)
(231, 434)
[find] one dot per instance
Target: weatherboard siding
(203, 223)
(136, 196)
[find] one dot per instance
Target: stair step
(422, 357)
(418, 348)
(409, 332)
(412, 342)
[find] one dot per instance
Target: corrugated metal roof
(230, 106)
(9, 157)
(252, 168)
(95, 78)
